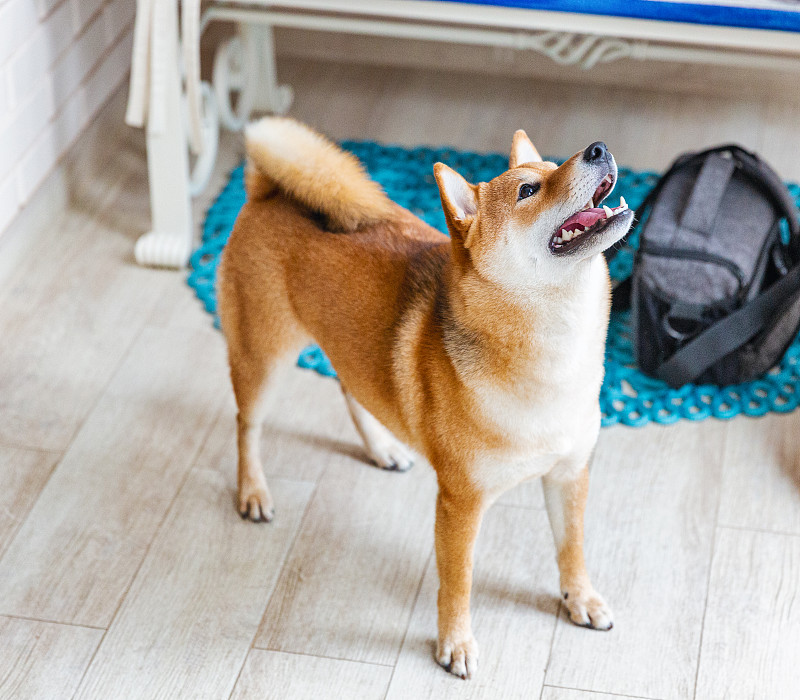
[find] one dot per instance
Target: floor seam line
(712, 554)
(32, 448)
(759, 530)
(323, 656)
(29, 618)
(600, 692)
(289, 549)
(431, 556)
(157, 530)
(71, 442)
(550, 650)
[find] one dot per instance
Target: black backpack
(715, 289)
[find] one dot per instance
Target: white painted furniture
(168, 98)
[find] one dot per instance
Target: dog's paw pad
(459, 658)
(588, 610)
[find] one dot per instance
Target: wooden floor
(125, 571)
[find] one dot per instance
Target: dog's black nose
(597, 151)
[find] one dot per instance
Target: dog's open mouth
(590, 220)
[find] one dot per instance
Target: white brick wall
(60, 60)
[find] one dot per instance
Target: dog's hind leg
(250, 377)
(383, 448)
(259, 337)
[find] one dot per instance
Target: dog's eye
(527, 190)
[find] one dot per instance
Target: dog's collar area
(588, 221)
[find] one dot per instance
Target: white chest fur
(551, 416)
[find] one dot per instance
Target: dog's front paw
(255, 503)
(459, 656)
(587, 609)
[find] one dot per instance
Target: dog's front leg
(458, 519)
(565, 496)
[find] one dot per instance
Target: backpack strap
(726, 335)
(706, 195)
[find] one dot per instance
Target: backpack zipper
(699, 255)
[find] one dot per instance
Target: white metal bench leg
(270, 96)
(169, 243)
(245, 65)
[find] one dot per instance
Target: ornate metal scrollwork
(584, 50)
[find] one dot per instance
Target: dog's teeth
(591, 203)
(566, 235)
(622, 202)
(558, 240)
(608, 211)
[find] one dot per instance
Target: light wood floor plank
(190, 615)
(72, 317)
(751, 635)
(272, 675)
(761, 479)
(82, 542)
(43, 660)
(514, 610)
(23, 474)
(649, 532)
(349, 584)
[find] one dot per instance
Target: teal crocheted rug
(628, 396)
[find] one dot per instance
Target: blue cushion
(781, 15)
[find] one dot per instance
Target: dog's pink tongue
(583, 219)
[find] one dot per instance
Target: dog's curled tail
(312, 170)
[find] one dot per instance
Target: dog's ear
(522, 150)
(459, 198)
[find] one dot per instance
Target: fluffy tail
(312, 170)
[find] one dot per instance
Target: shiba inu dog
(482, 351)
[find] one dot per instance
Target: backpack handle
(707, 193)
